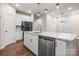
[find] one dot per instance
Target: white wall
(7, 25)
(51, 23)
(70, 25)
(37, 24)
(44, 23)
(74, 22)
(47, 22)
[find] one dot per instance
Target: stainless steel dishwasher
(46, 46)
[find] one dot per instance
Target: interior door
(9, 28)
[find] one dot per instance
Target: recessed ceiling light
(17, 5)
(69, 8)
(29, 11)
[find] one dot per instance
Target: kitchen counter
(67, 41)
(62, 36)
(33, 32)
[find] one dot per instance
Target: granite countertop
(62, 36)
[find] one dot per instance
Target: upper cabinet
(23, 17)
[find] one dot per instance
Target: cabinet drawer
(60, 43)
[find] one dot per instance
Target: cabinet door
(31, 42)
(60, 48)
(27, 41)
(35, 44)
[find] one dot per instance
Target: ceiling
(51, 7)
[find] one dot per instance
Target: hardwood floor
(16, 49)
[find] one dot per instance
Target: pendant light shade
(38, 13)
(45, 10)
(57, 6)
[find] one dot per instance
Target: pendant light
(45, 10)
(57, 6)
(38, 13)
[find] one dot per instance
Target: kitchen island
(64, 42)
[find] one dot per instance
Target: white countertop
(62, 36)
(33, 32)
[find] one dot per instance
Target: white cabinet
(60, 48)
(22, 17)
(31, 42)
(27, 42)
(35, 44)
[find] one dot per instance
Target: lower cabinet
(35, 44)
(31, 42)
(60, 48)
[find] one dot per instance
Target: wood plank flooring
(16, 49)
